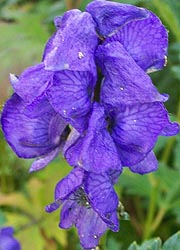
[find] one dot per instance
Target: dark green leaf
(153, 244)
(173, 243)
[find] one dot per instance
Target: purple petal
(96, 150)
(74, 43)
(43, 161)
(69, 184)
(69, 214)
(125, 82)
(32, 83)
(90, 228)
(113, 175)
(71, 95)
(53, 206)
(136, 129)
(65, 190)
(7, 241)
(9, 231)
(103, 198)
(72, 148)
(146, 41)
(110, 16)
(147, 165)
(172, 128)
(58, 21)
(35, 135)
(99, 152)
(48, 46)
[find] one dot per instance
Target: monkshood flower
(145, 39)
(89, 202)
(7, 241)
(67, 74)
(66, 80)
(33, 131)
(120, 137)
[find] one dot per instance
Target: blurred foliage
(152, 201)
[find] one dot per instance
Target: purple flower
(122, 129)
(124, 136)
(111, 16)
(33, 131)
(101, 125)
(124, 81)
(89, 202)
(7, 241)
(67, 73)
(139, 31)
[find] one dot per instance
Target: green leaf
(166, 177)
(135, 184)
(133, 246)
(153, 244)
(177, 151)
(2, 218)
(176, 72)
(173, 243)
(112, 244)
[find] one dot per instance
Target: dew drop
(64, 112)
(80, 55)
(87, 203)
(56, 140)
(165, 61)
(134, 120)
(121, 88)
(13, 78)
(79, 163)
(95, 237)
(66, 66)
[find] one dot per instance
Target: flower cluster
(91, 99)
(7, 241)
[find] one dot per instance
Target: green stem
(167, 203)
(103, 242)
(167, 151)
(152, 208)
(171, 194)
(72, 4)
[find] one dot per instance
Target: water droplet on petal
(95, 237)
(79, 163)
(80, 55)
(66, 66)
(134, 120)
(121, 88)
(165, 61)
(64, 112)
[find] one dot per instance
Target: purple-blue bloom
(67, 74)
(7, 241)
(33, 131)
(139, 30)
(89, 202)
(124, 136)
(101, 122)
(122, 117)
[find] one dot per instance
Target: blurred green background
(152, 201)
